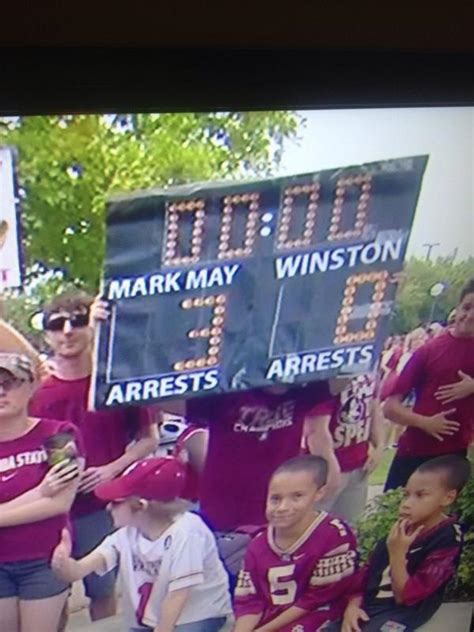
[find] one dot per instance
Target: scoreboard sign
(215, 287)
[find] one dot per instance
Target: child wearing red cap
(172, 576)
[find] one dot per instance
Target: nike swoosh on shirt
(298, 557)
(4, 479)
(417, 549)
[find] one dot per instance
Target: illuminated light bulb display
(215, 287)
(335, 231)
(311, 194)
(380, 282)
(174, 211)
(232, 204)
(217, 303)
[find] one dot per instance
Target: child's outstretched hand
(399, 540)
(62, 563)
(352, 616)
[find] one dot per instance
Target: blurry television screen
(278, 302)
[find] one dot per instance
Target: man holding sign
(63, 396)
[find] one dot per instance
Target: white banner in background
(9, 243)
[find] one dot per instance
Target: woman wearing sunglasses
(34, 505)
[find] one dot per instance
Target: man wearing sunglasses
(107, 434)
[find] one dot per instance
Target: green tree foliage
(69, 165)
(414, 303)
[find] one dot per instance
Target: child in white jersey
(172, 576)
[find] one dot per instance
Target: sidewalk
(451, 616)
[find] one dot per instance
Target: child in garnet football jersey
(403, 583)
(296, 573)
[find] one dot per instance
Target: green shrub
(377, 520)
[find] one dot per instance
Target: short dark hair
(467, 289)
(455, 469)
(315, 465)
(69, 301)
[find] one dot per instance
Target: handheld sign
(10, 253)
(215, 287)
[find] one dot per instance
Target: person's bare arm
(320, 443)
(55, 480)
(71, 570)
(247, 623)
(93, 476)
(376, 437)
(288, 616)
(399, 541)
(196, 448)
(39, 509)
(170, 609)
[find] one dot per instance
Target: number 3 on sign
(285, 588)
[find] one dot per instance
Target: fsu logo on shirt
(352, 424)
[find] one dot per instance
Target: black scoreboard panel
(221, 286)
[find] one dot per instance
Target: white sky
(336, 138)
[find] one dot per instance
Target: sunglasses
(56, 323)
(10, 384)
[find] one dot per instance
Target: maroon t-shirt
(251, 434)
(105, 433)
(23, 464)
(351, 421)
(436, 364)
(314, 574)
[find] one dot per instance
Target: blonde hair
(160, 509)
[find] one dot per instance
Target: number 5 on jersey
(282, 589)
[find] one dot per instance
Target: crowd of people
(273, 477)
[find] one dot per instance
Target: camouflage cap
(19, 365)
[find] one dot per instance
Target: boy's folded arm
(435, 571)
(288, 616)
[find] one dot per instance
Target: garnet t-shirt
(251, 434)
(351, 422)
(23, 464)
(105, 433)
(436, 364)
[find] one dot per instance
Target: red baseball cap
(153, 479)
